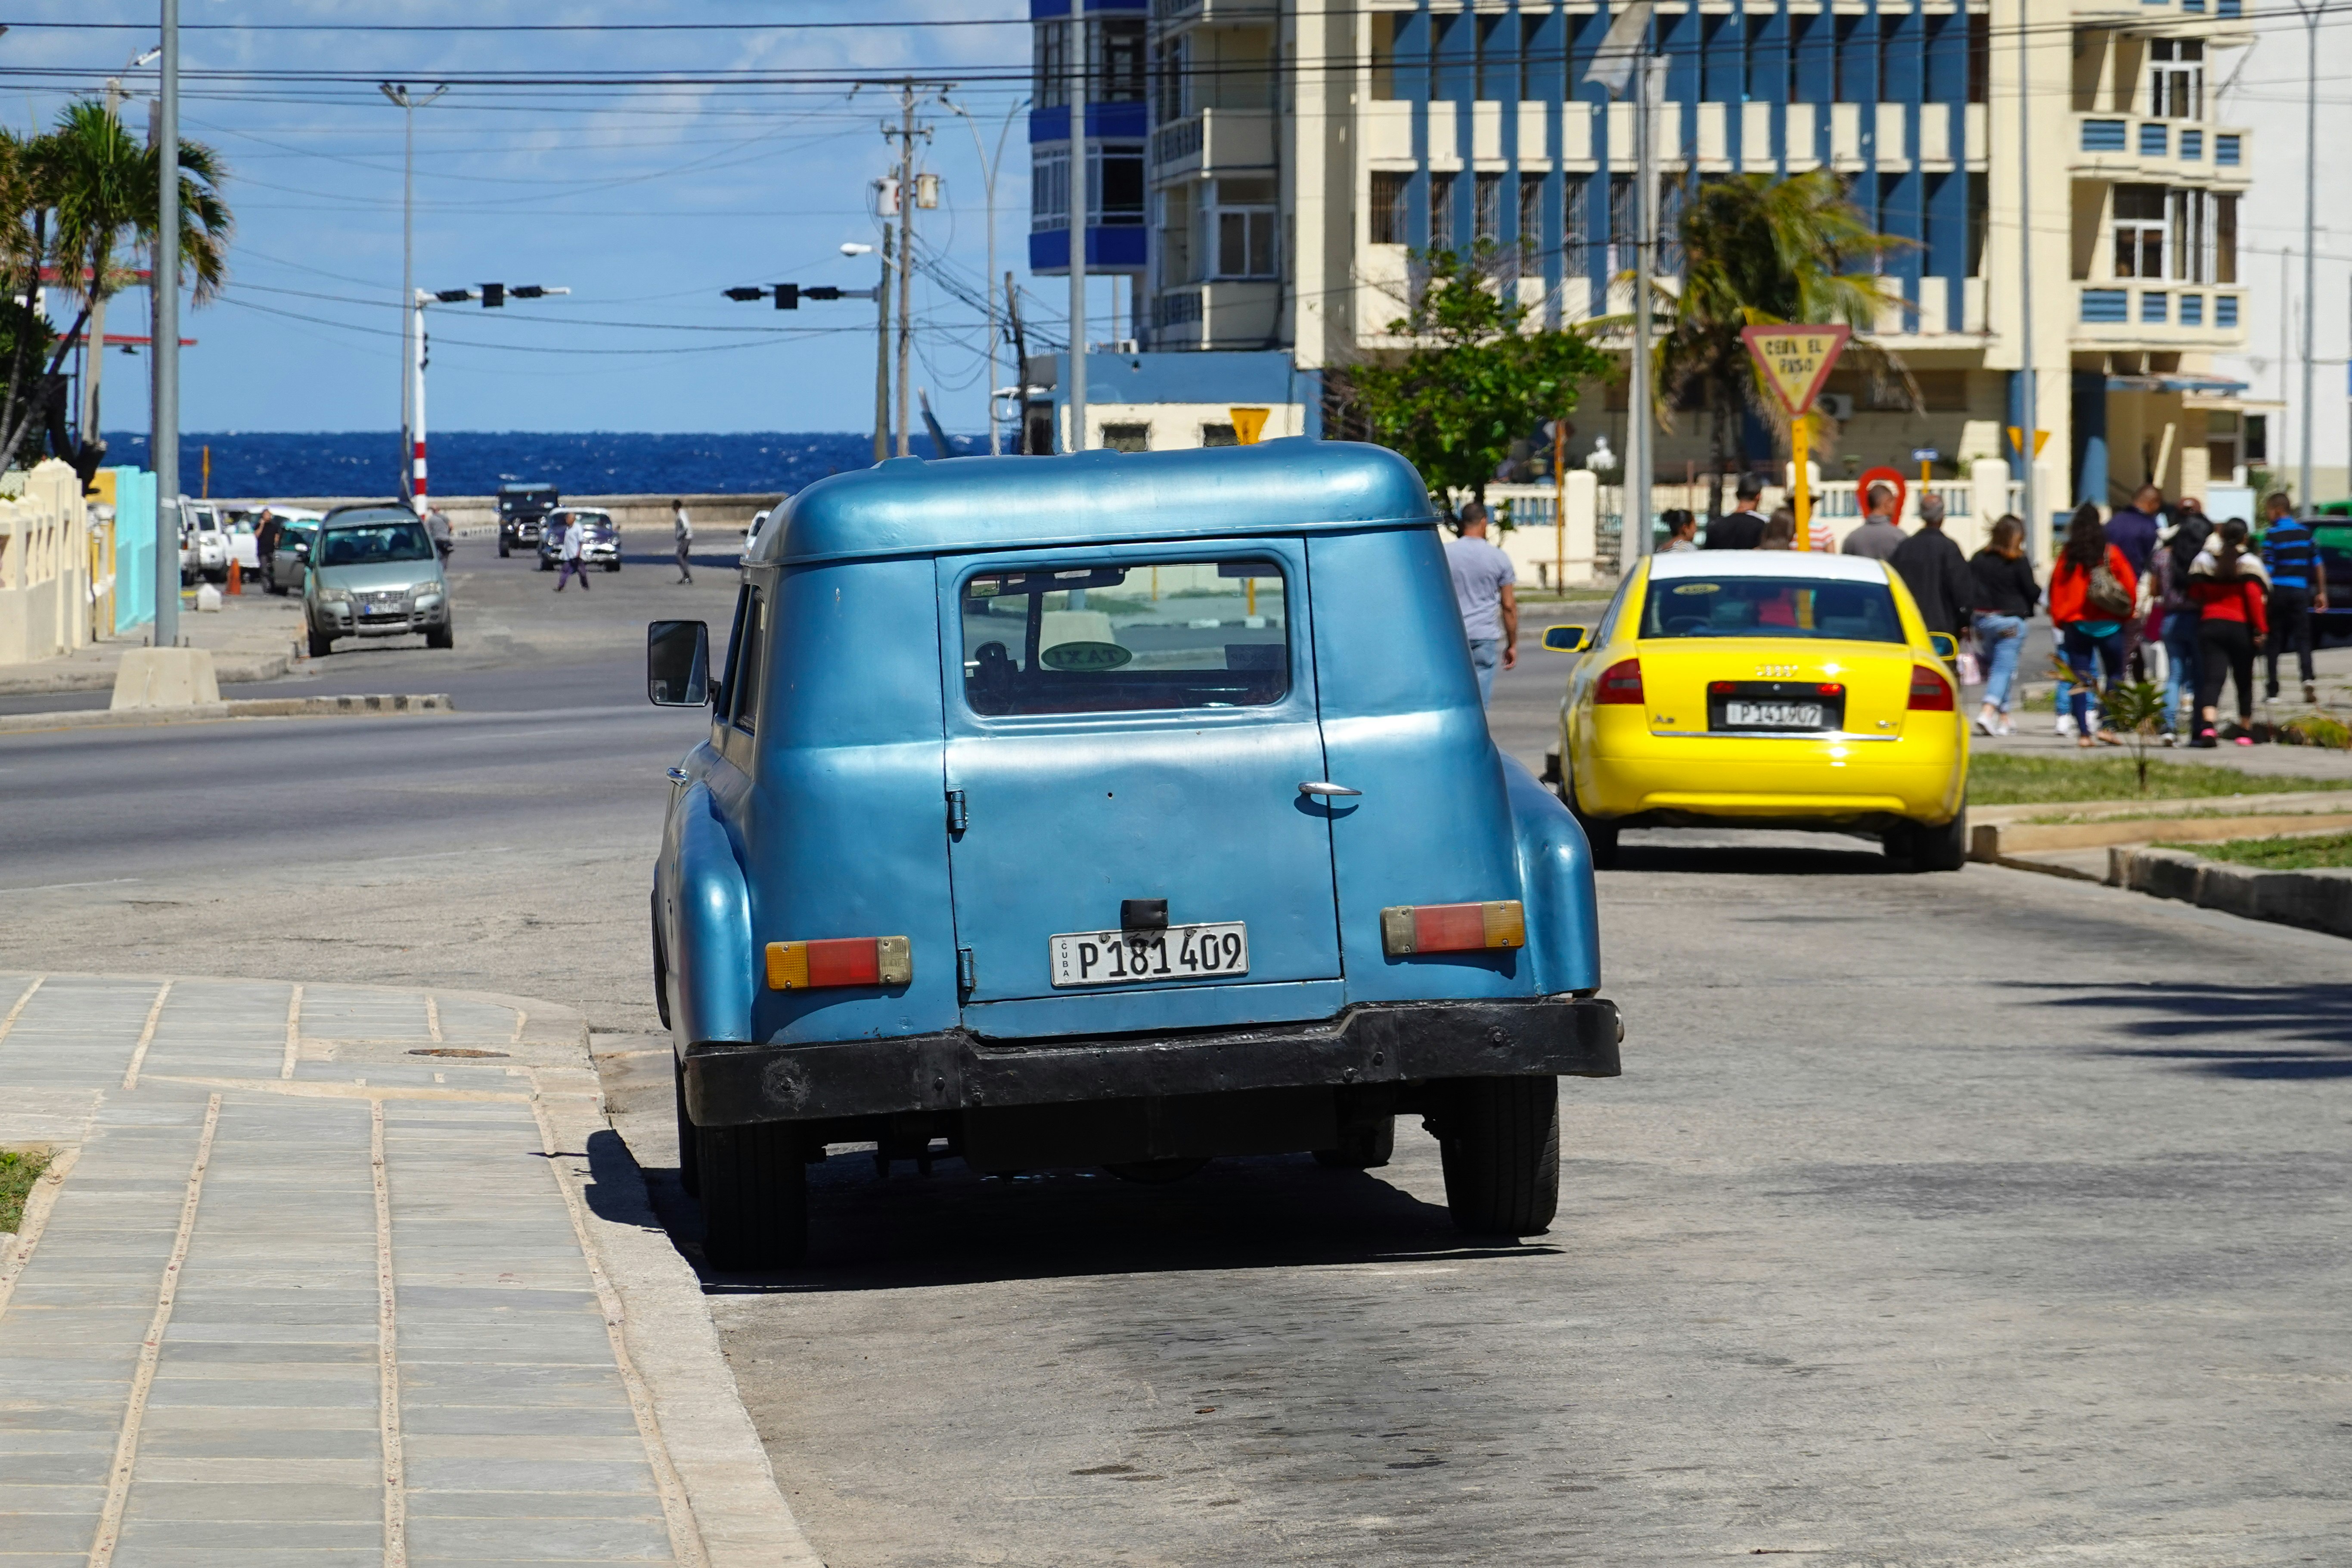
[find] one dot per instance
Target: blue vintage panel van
(1119, 809)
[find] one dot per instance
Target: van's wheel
(1366, 1146)
(689, 1148)
(1156, 1172)
(754, 1193)
(1499, 1141)
(320, 647)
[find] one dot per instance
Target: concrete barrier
(164, 678)
(2315, 901)
(475, 517)
(235, 708)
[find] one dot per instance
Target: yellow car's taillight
(840, 961)
(1453, 928)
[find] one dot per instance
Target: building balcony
(1214, 140)
(1212, 13)
(2152, 314)
(2160, 151)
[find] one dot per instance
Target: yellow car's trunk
(1691, 685)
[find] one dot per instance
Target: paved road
(1965, 1219)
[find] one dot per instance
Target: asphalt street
(1978, 1218)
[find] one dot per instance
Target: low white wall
(44, 567)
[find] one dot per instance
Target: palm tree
(25, 334)
(1759, 249)
(106, 191)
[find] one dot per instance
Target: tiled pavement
(306, 1296)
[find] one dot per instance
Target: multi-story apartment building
(1267, 171)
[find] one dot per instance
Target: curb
(2315, 901)
(241, 669)
(236, 708)
(1998, 841)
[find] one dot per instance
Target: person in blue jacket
(2299, 586)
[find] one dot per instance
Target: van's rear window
(1109, 640)
(1739, 606)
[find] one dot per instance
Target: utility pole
(493, 297)
(163, 284)
(411, 319)
(1020, 371)
(988, 177)
(2029, 435)
(882, 350)
(1624, 59)
(2310, 11)
(911, 193)
(1078, 64)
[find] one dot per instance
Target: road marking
(293, 1032)
(387, 1352)
(10, 1022)
(150, 1351)
(56, 887)
(37, 1203)
(433, 1017)
(146, 1038)
(685, 1538)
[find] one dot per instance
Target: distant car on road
(752, 534)
(600, 546)
(1037, 814)
(1764, 688)
(298, 536)
(374, 574)
(522, 512)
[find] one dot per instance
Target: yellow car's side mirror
(1566, 639)
(1947, 646)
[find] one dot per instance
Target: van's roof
(1813, 564)
(910, 507)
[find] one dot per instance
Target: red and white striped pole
(416, 450)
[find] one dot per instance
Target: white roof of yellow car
(1819, 564)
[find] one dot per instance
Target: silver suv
(374, 574)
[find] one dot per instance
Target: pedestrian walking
(436, 528)
(1779, 531)
(2006, 594)
(569, 553)
(681, 529)
(1744, 528)
(1878, 535)
(2233, 603)
(1682, 532)
(1484, 588)
(2176, 616)
(2298, 587)
(2093, 593)
(1935, 572)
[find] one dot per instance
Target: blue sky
(645, 197)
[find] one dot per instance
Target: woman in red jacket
(2092, 595)
(2227, 585)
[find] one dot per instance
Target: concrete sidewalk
(347, 1274)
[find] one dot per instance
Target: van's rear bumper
(730, 1085)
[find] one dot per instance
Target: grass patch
(2316, 853)
(17, 1174)
(2006, 778)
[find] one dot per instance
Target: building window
(1117, 45)
(1441, 211)
(1051, 50)
(2192, 310)
(1621, 222)
(1846, 62)
(1384, 32)
(1115, 185)
(2225, 245)
(1049, 190)
(2225, 150)
(1530, 27)
(1176, 310)
(1497, 69)
(1441, 33)
(2192, 146)
(2102, 136)
(1486, 210)
(2155, 141)
(1178, 262)
(2139, 231)
(1576, 225)
(2225, 309)
(1170, 86)
(1219, 436)
(1388, 214)
(2176, 78)
(2188, 235)
(1530, 217)
(1671, 192)
(2105, 305)
(2155, 308)
(1127, 438)
(1244, 222)
(1980, 216)
(1980, 57)
(2228, 8)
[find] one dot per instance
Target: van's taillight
(1621, 682)
(840, 961)
(1453, 928)
(1930, 692)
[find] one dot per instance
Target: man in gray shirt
(1878, 535)
(1484, 580)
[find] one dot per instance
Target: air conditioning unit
(1838, 406)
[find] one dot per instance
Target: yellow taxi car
(1764, 688)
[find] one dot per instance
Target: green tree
(1759, 250)
(1476, 380)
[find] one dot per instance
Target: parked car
(601, 546)
(1039, 815)
(1764, 688)
(203, 547)
(291, 559)
(373, 572)
(752, 534)
(523, 511)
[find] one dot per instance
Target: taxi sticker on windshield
(1085, 656)
(1698, 587)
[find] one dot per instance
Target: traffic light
(788, 296)
(494, 296)
(821, 292)
(526, 290)
(744, 294)
(453, 296)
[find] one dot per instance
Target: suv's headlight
(334, 596)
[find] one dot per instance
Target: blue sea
(476, 462)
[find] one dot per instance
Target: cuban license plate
(1127, 957)
(1772, 715)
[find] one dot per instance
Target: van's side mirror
(1947, 646)
(1566, 639)
(678, 664)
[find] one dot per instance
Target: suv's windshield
(368, 543)
(1739, 606)
(1097, 639)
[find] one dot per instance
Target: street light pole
(493, 295)
(411, 352)
(988, 181)
(164, 290)
(1078, 64)
(2310, 10)
(2029, 435)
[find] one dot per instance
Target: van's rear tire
(754, 1192)
(689, 1147)
(1366, 1146)
(1499, 1140)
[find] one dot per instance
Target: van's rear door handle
(1325, 786)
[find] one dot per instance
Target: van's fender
(714, 975)
(1556, 886)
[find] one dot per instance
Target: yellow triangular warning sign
(2017, 440)
(1248, 425)
(1795, 361)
